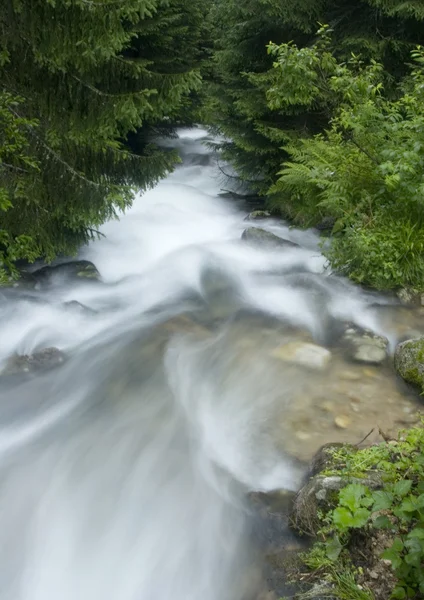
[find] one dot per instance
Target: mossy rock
(409, 361)
(257, 215)
(76, 269)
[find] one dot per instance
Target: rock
(261, 237)
(365, 346)
(409, 361)
(76, 269)
(76, 306)
(410, 297)
(342, 421)
(257, 215)
(323, 458)
(42, 360)
(305, 354)
(326, 224)
(319, 495)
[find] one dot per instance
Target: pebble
(342, 421)
(350, 375)
(303, 435)
(301, 353)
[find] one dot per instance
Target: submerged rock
(409, 361)
(261, 237)
(365, 346)
(75, 306)
(305, 354)
(42, 360)
(76, 269)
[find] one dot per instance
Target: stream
(124, 471)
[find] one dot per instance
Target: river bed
(124, 471)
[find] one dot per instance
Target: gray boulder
(261, 237)
(365, 346)
(44, 359)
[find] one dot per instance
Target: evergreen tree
(77, 77)
(257, 132)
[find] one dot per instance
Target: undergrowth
(396, 505)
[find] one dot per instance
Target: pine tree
(77, 77)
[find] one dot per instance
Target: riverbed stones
(42, 360)
(303, 354)
(260, 237)
(410, 297)
(409, 361)
(365, 346)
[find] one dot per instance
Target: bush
(366, 171)
(398, 508)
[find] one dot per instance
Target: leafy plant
(366, 169)
(397, 507)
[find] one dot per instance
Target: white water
(123, 472)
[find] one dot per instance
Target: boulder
(257, 215)
(76, 269)
(365, 346)
(303, 354)
(409, 361)
(44, 359)
(266, 239)
(319, 494)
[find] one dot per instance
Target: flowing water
(124, 471)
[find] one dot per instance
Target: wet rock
(261, 237)
(305, 354)
(342, 421)
(76, 269)
(320, 491)
(45, 359)
(75, 306)
(326, 224)
(365, 346)
(410, 297)
(409, 361)
(257, 215)
(319, 494)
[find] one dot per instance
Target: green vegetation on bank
(78, 79)
(330, 125)
(361, 520)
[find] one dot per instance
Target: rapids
(124, 472)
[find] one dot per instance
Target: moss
(409, 362)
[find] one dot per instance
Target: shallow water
(124, 471)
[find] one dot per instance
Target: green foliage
(397, 507)
(245, 103)
(366, 169)
(77, 78)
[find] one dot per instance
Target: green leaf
(333, 547)
(417, 532)
(382, 522)
(398, 593)
(382, 500)
(401, 488)
(351, 495)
